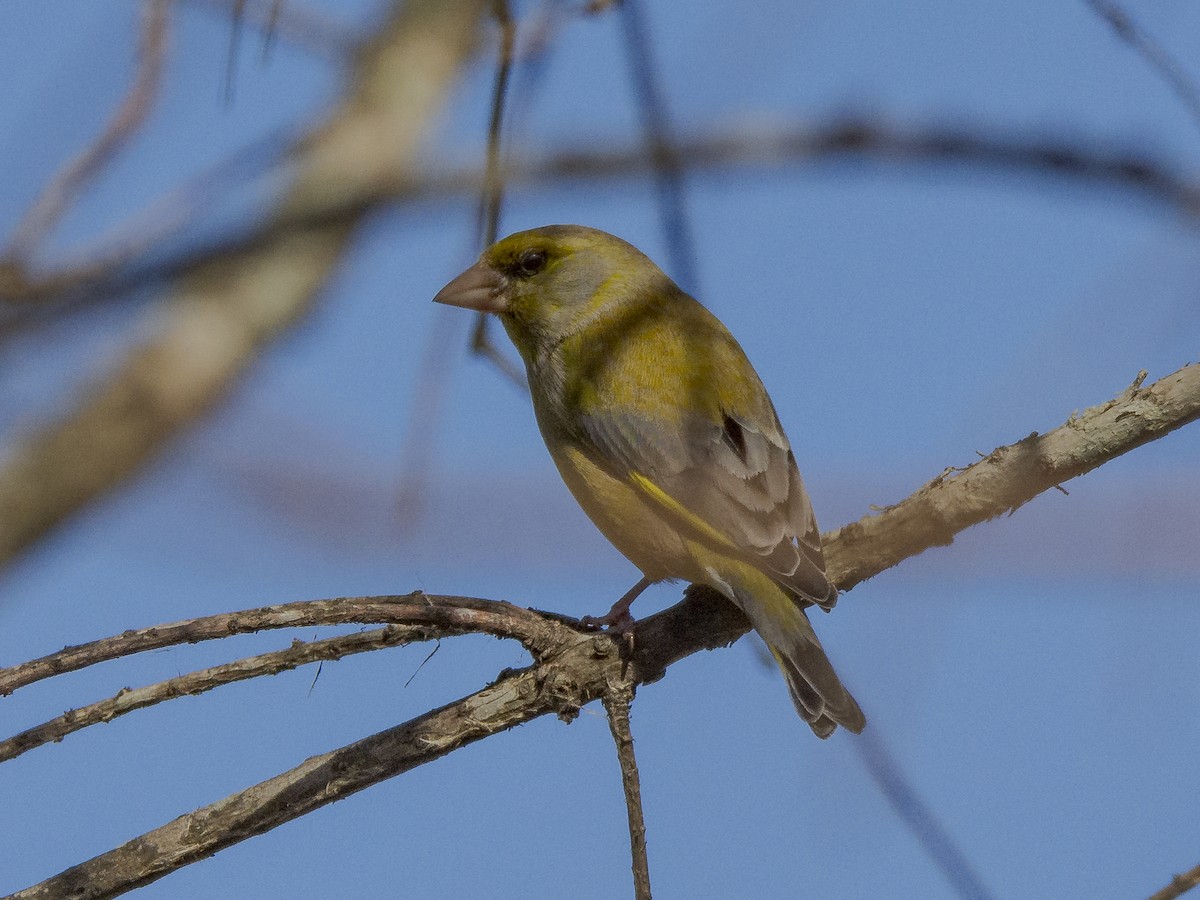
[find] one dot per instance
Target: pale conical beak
(480, 288)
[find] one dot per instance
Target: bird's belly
(626, 518)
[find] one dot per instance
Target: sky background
(1036, 682)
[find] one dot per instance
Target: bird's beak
(480, 288)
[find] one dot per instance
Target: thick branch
(217, 317)
(588, 665)
(322, 779)
(1011, 476)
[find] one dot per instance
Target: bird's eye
(531, 262)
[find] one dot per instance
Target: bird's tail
(818, 694)
(822, 712)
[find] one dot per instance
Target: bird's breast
(624, 516)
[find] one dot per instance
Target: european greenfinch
(665, 434)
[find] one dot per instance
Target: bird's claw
(617, 621)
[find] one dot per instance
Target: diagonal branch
(1179, 885)
(1011, 476)
(587, 665)
(216, 319)
(1156, 55)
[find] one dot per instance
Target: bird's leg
(618, 618)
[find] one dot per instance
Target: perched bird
(664, 433)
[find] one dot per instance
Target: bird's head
(549, 283)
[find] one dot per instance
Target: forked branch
(582, 667)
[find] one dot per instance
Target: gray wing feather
(740, 477)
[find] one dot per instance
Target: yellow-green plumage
(666, 437)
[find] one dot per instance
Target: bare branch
(661, 148)
(127, 700)
(236, 15)
(444, 614)
(317, 782)
(491, 197)
(226, 309)
(1011, 476)
(587, 665)
(745, 145)
(616, 704)
(93, 272)
(1179, 885)
(67, 185)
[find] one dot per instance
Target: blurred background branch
(734, 147)
(212, 323)
(66, 186)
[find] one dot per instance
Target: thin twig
(271, 28)
(78, 277)
(668, 169)
(1155, 54)
(919, 818)
(616, 704)
(1179, 885)
(73, 178)
(745, 146)
(303, 27)
(129, 699)
(428, 397)
(423, 430)
(236, 17)
(429, 394)
(491, 198)
(447, 614)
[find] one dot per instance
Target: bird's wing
(732, 482)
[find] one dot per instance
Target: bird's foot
(618, 620)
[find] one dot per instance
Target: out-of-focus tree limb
(66, 186)
(744, 146)
(586, 666)
(1154, 53)
(215, 319)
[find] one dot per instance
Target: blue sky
(1035, 681)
